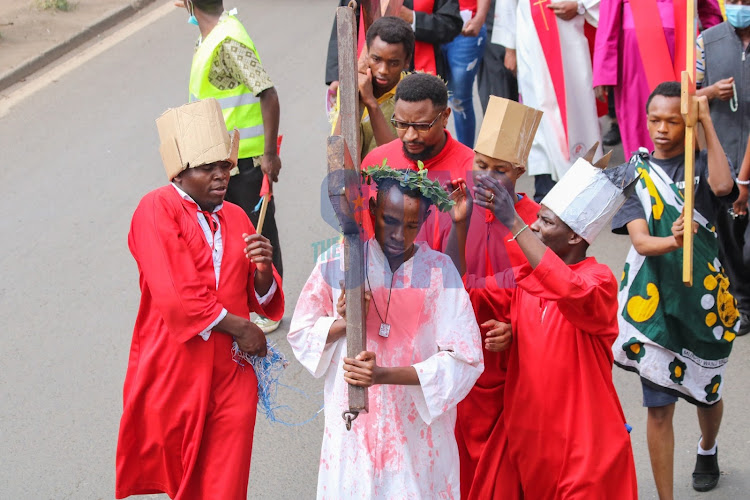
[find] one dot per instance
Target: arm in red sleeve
(496, 290)
(167, 266)
(587, 296)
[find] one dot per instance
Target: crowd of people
(491, 334)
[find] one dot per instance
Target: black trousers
(493, 77)
(734, 254)
(244, 190)
(543, 184)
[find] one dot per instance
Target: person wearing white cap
(189, 404)
(567, 436)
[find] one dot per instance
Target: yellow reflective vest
(241, 108)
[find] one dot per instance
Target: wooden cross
(343, 189)
(689, 110)
(344, 183)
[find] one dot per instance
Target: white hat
(588, 196)
(193, 135)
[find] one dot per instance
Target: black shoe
(744, 324)
(706, 473)
(612, 137)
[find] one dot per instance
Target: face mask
(738, 15)
(191, 10)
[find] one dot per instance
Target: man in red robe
(501, 151)
(567, 436)
(189, 405)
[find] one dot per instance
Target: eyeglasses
(419, 127)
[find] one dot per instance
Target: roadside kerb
(110, 19)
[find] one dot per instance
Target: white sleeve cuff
(311, 349)
(205, 334)
(414, 21)
(269, 294)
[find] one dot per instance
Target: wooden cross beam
(344, 190)
(689, 110)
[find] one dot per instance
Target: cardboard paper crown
(588, 196)
(508, 129)
(193, 135)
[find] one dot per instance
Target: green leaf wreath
(411, 180)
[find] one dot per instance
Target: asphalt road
(77, 155)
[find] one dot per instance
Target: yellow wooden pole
(688, 108)
(262, 216)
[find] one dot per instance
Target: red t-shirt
(453, 161)
(468, 5)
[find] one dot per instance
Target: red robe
(566, 426)
(480, 429)
(453, 161)
(188, 408)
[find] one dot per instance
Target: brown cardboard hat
(508, 129)
(195, 134)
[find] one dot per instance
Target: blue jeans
(463, 56)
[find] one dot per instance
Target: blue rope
(268, 370)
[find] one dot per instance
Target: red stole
(652, 43)
(545, 23)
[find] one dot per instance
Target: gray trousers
(734, 254)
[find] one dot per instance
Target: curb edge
(50, 55)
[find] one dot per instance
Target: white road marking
(36, 83)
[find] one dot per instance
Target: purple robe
(617, 63)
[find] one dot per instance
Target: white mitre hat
(195, 134)
(588, 196)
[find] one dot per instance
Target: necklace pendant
(385, 330)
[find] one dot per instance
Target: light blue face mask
(738, 15)
(191, 10)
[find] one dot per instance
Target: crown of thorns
(412, 181)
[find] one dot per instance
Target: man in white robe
(405, 446)
(551, 154)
